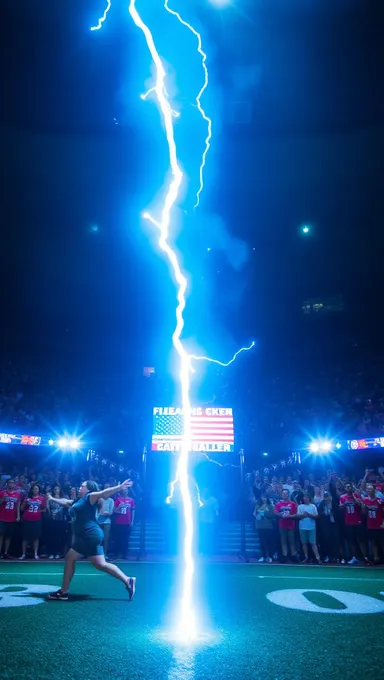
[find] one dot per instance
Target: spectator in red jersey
(9, 515)
(351, 505)
(286, 511)
(125, 517)
(32, 507)
(374, 510)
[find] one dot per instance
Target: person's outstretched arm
(64, 502)
(95, 496)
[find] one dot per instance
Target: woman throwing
(88, 536)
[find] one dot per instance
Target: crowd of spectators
(274, 407)
(32, 524)
(328, 519)
(321, 518)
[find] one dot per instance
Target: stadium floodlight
(265, 454)
(321, 446)
(51, 442)
(68, 443)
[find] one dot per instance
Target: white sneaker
(269, 560)
(326, 560)
(353, 561)
(36, 557)
(261, 559)
(22, 557)
(57, 557)
(51, 557)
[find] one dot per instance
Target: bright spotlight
(314, 447)
(265, 454)
(74, 443)
(51, 442)
(62, 443)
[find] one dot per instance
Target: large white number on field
(350, 603)
(24, 597)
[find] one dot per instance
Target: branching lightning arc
(187, 629)
(100, 22)
(199, 96)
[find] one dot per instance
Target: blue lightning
(199, 96)
(187, 623)
(194, 357)
(99, 24)
(187, 630)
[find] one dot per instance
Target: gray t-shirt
(106, 505)
(307, 523)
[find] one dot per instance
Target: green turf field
(99, 634)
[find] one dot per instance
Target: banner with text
(211, 429)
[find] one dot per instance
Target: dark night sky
(311, 150)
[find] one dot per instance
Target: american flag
(215, 429)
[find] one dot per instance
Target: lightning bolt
(187, 623)
(199, 96)
(99, 24)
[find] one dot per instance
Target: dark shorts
(89, 543)
(7, 529)
(354, 532)
(31, 531)
(308, 536)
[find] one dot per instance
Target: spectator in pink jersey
(9, 515)
(286, 510)
(32, 508)
(124, 509)
(351, 505)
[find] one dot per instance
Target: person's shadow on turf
(84, 598)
